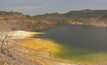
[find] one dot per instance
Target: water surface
(91, 39)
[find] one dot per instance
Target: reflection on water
(85, 37)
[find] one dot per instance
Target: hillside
(19, 21)
(16, 20)
(40, 22)
(87, 17)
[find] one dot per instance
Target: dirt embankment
(27, 56)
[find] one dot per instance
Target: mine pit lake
(80, 42)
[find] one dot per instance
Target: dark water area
(81, 37)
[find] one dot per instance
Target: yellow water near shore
(51, 48)
(48, 47)
(40, 45)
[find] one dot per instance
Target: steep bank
(32, 52)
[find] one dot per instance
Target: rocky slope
(86, 17)
(26, 56)
(40, 22)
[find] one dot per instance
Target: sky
(37, 7)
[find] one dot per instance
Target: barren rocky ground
(24, 56)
